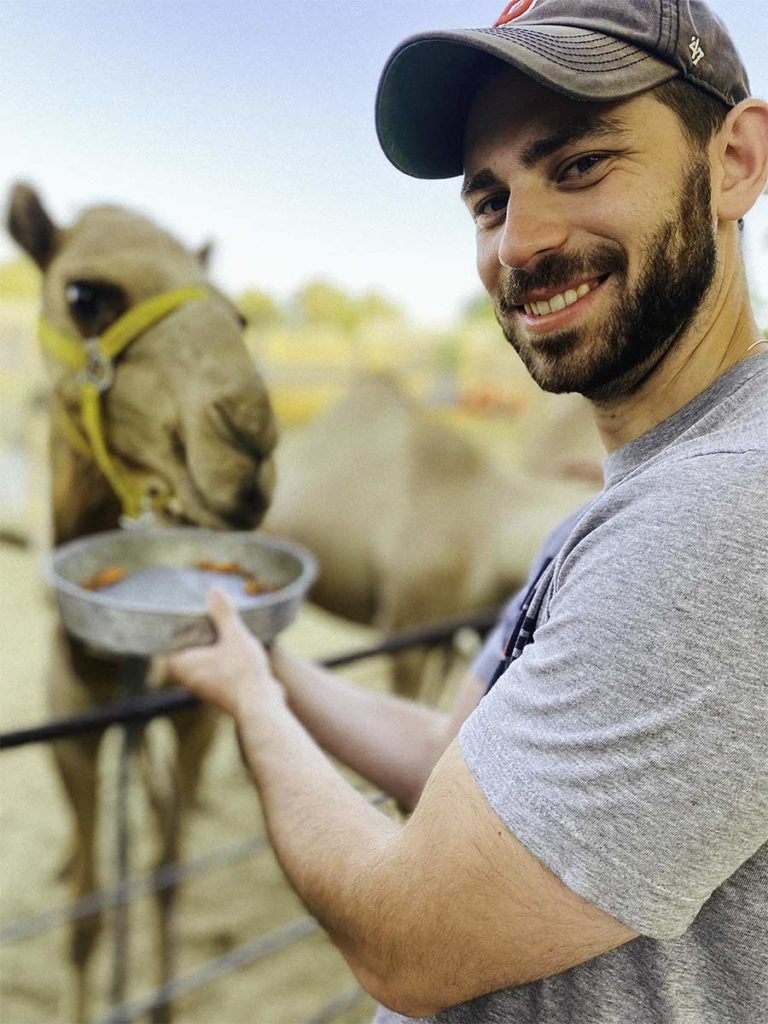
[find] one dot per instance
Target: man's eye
(490, 205)
(583, 165)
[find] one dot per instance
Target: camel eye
(94, 305)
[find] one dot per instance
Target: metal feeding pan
(159, 604)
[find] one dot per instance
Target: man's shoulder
(696, 508)
(703, 477)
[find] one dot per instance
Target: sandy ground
(217, 912)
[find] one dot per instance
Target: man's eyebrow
(591, 126)
(477, 182)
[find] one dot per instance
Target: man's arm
(392, 742)
(430, 914)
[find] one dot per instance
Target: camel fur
(411, 522)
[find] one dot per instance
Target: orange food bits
(232, 568)
(253, 586)
(104, 578)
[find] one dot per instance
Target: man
(590, 837)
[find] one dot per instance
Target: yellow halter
(93, 358)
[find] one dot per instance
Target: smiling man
(589, 840)
(587, 178)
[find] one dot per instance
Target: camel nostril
(155, 490)
(178, 446)
(253, 498)
(245, 516)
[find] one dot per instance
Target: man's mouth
(552, 302)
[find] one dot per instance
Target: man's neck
(724, 334)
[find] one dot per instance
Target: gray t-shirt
(627, 747)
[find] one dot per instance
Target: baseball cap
(587, 49)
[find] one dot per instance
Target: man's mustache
(557, 271)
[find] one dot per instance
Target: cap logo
(514, 9)
(696, 51)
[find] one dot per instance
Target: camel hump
(372, 394)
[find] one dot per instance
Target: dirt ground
(217, 911)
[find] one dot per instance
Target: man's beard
(678, 268)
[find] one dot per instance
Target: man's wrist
(259, 697)
(276, 655)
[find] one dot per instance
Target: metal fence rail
(245, 955)
(164, 702)
(144, 885)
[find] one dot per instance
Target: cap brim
(428, 84)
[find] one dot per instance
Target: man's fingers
(177, 665)
(222, 610)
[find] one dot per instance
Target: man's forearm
(327, 837)
(392, 742)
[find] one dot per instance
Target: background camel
(411, 522)
(189, 430)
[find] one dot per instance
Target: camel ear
(31, 226)
(204, 254)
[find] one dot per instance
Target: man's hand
(233, 672)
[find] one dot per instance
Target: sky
(250, 122)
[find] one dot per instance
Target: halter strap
(93, 357)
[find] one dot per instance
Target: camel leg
(77, 761)
(437, 667)
(409, 599)
(408, 669)
(164, 800)
(195, 729)
(172, 794)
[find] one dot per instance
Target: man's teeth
(559, 301)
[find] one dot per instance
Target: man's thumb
(221, 610)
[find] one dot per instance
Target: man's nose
(531, 229)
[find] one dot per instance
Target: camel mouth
(244, 516)
(178, 498)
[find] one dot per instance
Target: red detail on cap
(514, 9)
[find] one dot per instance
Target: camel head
(185, 418)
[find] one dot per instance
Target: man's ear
(743, 157)
(30, 225)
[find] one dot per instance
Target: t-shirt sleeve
(627, 747)
(490, 654)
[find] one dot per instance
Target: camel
(186, 433)
(410, 521)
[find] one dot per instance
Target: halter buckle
(145, 519)
(99, 369)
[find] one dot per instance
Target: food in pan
(252, 584)
(229, 568)
(104, 578)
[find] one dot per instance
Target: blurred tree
(259, 308)
(447, 351)
(478, 310)
(322, 303)
(19, 279)
(373, 306)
